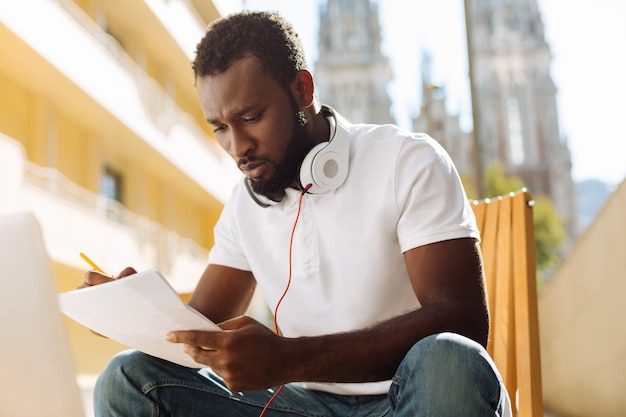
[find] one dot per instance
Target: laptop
(36, 366)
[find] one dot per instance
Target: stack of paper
(137, 311)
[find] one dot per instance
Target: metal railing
(161, 109)
(167, 245)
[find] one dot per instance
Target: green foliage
(549, 226)
(549, 233)
(497, 183)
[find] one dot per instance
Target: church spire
(351, 71)
(519, 123)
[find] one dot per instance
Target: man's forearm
(374, 354)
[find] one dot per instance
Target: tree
(549, 226)
(550, 234)
(498, 183)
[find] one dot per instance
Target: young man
(359, 236)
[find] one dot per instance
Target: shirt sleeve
(430, 196)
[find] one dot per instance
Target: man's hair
(263, 35)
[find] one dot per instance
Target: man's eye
(218, 128)
(252, 118)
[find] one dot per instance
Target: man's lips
(254, 169)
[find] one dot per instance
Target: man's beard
(287, 170)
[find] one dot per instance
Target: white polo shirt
(402, 191)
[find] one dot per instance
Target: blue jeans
(442, 375)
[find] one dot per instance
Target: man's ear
(303, 88)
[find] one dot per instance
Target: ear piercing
(302, 118)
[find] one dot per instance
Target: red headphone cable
(280, 300)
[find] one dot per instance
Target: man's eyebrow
(234, 115)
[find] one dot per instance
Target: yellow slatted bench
(508, 247)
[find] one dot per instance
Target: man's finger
(94, 277)
(234, 323)
(126, 272)
(192, 337)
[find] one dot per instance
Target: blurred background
(101, 136)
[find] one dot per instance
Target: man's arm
(223, 293)
(448, 280)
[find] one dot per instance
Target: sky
(588, 67)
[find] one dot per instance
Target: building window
(111, 190)
(111, 184)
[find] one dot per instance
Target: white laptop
(36, 366)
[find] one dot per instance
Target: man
(359, 236)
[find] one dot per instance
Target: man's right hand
(93, 277)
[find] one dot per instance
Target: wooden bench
(508, 247)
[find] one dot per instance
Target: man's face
(254, 120)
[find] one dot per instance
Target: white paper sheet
(137, 311)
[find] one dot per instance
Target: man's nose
(240, 143)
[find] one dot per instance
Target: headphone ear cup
(306, 169)
(325, 167)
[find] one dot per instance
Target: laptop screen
(36, 365)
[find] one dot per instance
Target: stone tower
(442, 126)
(516, 97)
(351, 73)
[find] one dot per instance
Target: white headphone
(325, 167)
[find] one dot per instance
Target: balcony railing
(159, 106)
(166, 245)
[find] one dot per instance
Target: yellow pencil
(91, 263)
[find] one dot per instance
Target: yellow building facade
(102, 138)
(581, 312)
